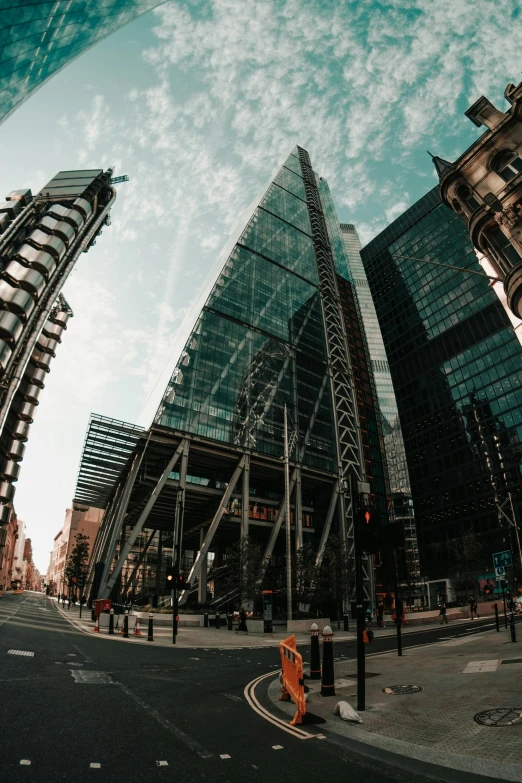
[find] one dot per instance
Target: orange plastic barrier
(366, 638)
(293, 681)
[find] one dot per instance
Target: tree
(78, 561)
(334, 578)
(244, 562)
(467, 556)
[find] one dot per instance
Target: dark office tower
(456, 367)
(393, 441)
(40, 241)
(280, 328)
(38, 38)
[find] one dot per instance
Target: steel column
(203, 575)
(298, 513)
(116, 524)
(194, 571)
(138, 562)
(327, 524)
(106, 589)
(245, 498)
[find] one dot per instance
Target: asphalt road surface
(79, 708)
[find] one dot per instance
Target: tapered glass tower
(280, 329)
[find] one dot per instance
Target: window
(507, 165)
(502, 249)
(467, 197)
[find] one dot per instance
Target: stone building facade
(484, 187)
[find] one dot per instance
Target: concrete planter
(303, 626)
(185, 620)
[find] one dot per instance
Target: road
(81, 708)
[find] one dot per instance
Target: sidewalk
(460, 678)
(207, 638)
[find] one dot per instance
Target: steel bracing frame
(107, 584)
(341, 378)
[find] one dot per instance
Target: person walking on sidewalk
(242, 621)
(443, 612)
(380, 615)
(473, 607)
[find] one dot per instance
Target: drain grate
(502, 716)
(512, 660)
(401, 690)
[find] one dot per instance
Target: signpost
(503, 559)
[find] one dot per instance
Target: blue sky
(199, 102)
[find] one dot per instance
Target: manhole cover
(401, 690)
(502, 716)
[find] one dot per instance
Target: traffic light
(181, 582)
(368, 524)
(169, 578)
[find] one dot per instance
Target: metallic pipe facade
(40, 240)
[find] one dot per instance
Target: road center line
(180, 735)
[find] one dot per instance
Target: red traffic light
(74, 579)
(367, 517)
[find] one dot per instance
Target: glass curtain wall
(38, 38)
(456, 366)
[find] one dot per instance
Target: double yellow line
(253, 702)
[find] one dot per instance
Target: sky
(199, 102)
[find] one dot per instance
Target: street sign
(500, 572)
(502, 559)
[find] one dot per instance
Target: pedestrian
(242, 621)
(473, 607)
(368, 614)
(380, 615)
(69, 602)
(443, 612)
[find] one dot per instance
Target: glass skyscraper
(280, 328)
(393, 441)
(456, 366)
(38, 38)
(260, 341)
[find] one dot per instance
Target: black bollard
(111, 622)
(150, 636)
(328, 675)
(230, 618)
(315, 655)
(497, 623)
(205, 620)
(346, 621)
(512, 627)
(126, 625)
(218, 621)
(93, 614)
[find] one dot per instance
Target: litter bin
(102, 605)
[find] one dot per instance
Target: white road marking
(21, 652)
(194, 659)
(72, 655)
(162, 763)
(95, 765)
(277, 747)
(74, 663)
(178, 733)
(224, 756)
(25, 762)
(233, 697)
(92, 678)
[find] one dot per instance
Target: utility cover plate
(500, 717)
(401, 690)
